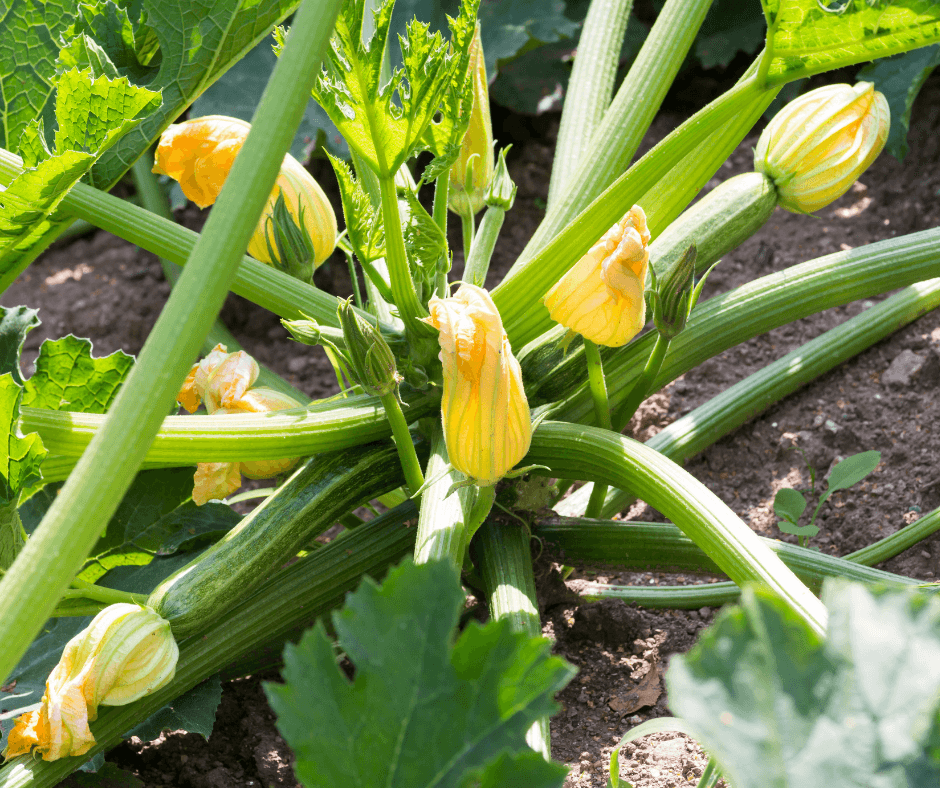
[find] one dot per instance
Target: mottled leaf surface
(780, 708)
(443, 713)
(15, 323)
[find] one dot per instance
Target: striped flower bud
(372, 360)
(601, 296)
(484, 409)
(125, 653)
(817, 146)
(471, 174)
(199, 154)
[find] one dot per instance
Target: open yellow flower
(223, 382)
(199, 154)
(125, 653)
(816, 147)
(484, 409)
(601, 296)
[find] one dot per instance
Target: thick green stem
(484, 242)
(506, 564)
(589, 89)
(42, 571)
(403, 442)
(598, 388)
(403, 288)
(602, 456)
(643, 386)
(439, 214)
(442, 533)
(468, 225)
(625, 123)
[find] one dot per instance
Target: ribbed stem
(600, 455)
(481, 249)
(598, 387)
(644, 383)
(506, 563)
(441, 522)
(625, 123)
(468, 226)
(439, 214)
(63, 539)
(589, 88)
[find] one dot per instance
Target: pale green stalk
(598, 388)
(42, 571)
(80, 589)
(625, 123)
(442, 533)
(403, 442)
(468, 226)
(506, 564)
(589, 89)
(439, 214)
(482, 246)
(573, 450)
(643, 386)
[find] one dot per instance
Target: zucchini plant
(447, 396)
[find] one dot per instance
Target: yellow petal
(487, 425)
(601, 296)
(27, 733)
(215, 480)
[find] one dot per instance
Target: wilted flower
(484, 409)
(125, 653)
(601, 296)
(466, 195)
(199, 154)
(816, 146)
(222, 381)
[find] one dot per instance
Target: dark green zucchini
(719, 222)
(316, 495)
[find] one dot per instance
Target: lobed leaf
(779, 707)
(811, 36)
(20, 457)
(422, 710)
(15, 323)
(67, 377)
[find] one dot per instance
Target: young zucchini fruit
(316, 495)
(719, 222)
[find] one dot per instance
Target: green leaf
(194, 711)
(422, 710)
(20, 457)
(425, 242)
(155, 518)
(382, 130)
(521, 770)
(29, 46)
(509, 26)
(811, 36)
(731, 26)
(67, 377)
(238, 91)
(108, 776)
(104, 38)
(789, 504)
(900, 79)
(779, 708)
(15, 323)
(363, 221)
(789, 527)
(852, 470)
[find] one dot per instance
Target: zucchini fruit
(719, 222)
(316, 495)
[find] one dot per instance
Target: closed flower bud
(484, 409)
(601, 296)
(817, 146)
(369, 354)
(673, 295)
(472, 172)
(199, 154)
(125, 653)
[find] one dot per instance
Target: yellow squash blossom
(466, 195)
(484, 409)
(601, 296)
(223, 382)
(817, 146)
(125, 653)
(199, 154)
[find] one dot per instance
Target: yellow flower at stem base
(125, 653)
(199, 153)
(601, 296)
(484, 410)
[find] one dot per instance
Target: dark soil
(111, 292)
